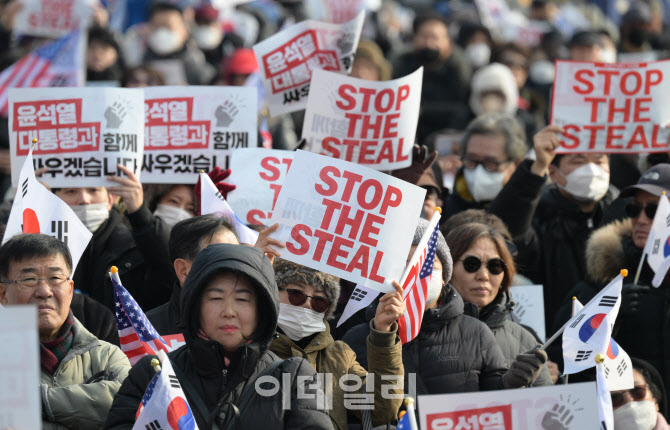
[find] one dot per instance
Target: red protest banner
(615, 108)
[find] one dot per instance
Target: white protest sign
(612, 108)
(288, 59)
(52, 18)
(20, 403)
(189, 129)
(346, 220)
(258, 174)
(529, 308)
(360, 121)
(337, 11)
(82, 133)
(566, 407)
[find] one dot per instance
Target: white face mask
(207, 37)
(297, 322)
(608, 56)
(542, 72)
(635, 416)
(92, 216)
(478, 53)
(587, 183)
(435, 286)
(482, 184)
(170, 214)
(164, 41)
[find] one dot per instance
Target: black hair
(103, 35)
(425, 17)
(164, 7)
(187, 236)
(468, 30)
(24, 246)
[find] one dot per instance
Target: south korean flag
(361, 298)
(37, 210)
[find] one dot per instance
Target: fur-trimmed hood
(605, 253)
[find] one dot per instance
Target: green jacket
(68, 401)
(336, 358)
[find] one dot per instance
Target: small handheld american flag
(138, 337)
(416, 279)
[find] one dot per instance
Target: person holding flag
(229, 308)
(643, 325)
(307, 300)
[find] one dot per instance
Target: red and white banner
(360, 121)
(288, 59)
(82, 133)
(572, 406)
(52, 18)
(338, 11)
(259, 175)
(612, 108)
(189, 129)
(347, 220)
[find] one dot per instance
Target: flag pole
(434, 219)
(409, 404)
(639, 268)
(560, 331)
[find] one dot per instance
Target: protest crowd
(335, 214)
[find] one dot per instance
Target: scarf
(52, 352)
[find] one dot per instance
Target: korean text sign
(52, 18)
(82, 133)
(259, 175)
(558, 406)
(288, 59)
(612, 108)
(347, 220)
(370, 123)
(189, 129)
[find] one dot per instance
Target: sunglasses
(638, 393)
(298, 298)
(495, 266)
(633, 210)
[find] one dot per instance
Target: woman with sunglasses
(307, 298)
(483, 272)
(641, 407)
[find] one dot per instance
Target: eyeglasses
(490, 164)
(31, 282)
(298, 298)
(495, 266)
(638, 393)
(634, 209)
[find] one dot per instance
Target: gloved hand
(421, 161)
(525, 369)
(630, 299)
(217, 176)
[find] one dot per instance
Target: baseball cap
(654, 181)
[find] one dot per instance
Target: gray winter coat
(511, 337)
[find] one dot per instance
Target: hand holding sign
(265, 243)
(129, 189)
(391, 307)
(545, 143)
(421, 161)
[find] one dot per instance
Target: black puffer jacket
(548, 226)
(511, 337)
(140, 253)
(166, 318)
(212, 386)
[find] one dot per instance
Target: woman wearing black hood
(229, 307)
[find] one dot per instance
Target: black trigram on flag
(218, 194)
(24, 188)
(603, 426)
(607, 371)
(579, 318)
(59, 229)
(583, 355)
(358, 295)
(174, 382)
(621, 368)
(154, 425)
(667, 221)
(608, 301)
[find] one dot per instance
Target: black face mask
(637, 37)
(428, 55)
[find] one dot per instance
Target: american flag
(415, 288)
(138, 337)
(147, 394)
(56, 64)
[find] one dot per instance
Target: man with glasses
(307, 298)
(493, 145)
(79, 373)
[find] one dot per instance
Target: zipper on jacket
(224, 373)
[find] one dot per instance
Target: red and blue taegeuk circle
(179, 415)
(590, 326)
